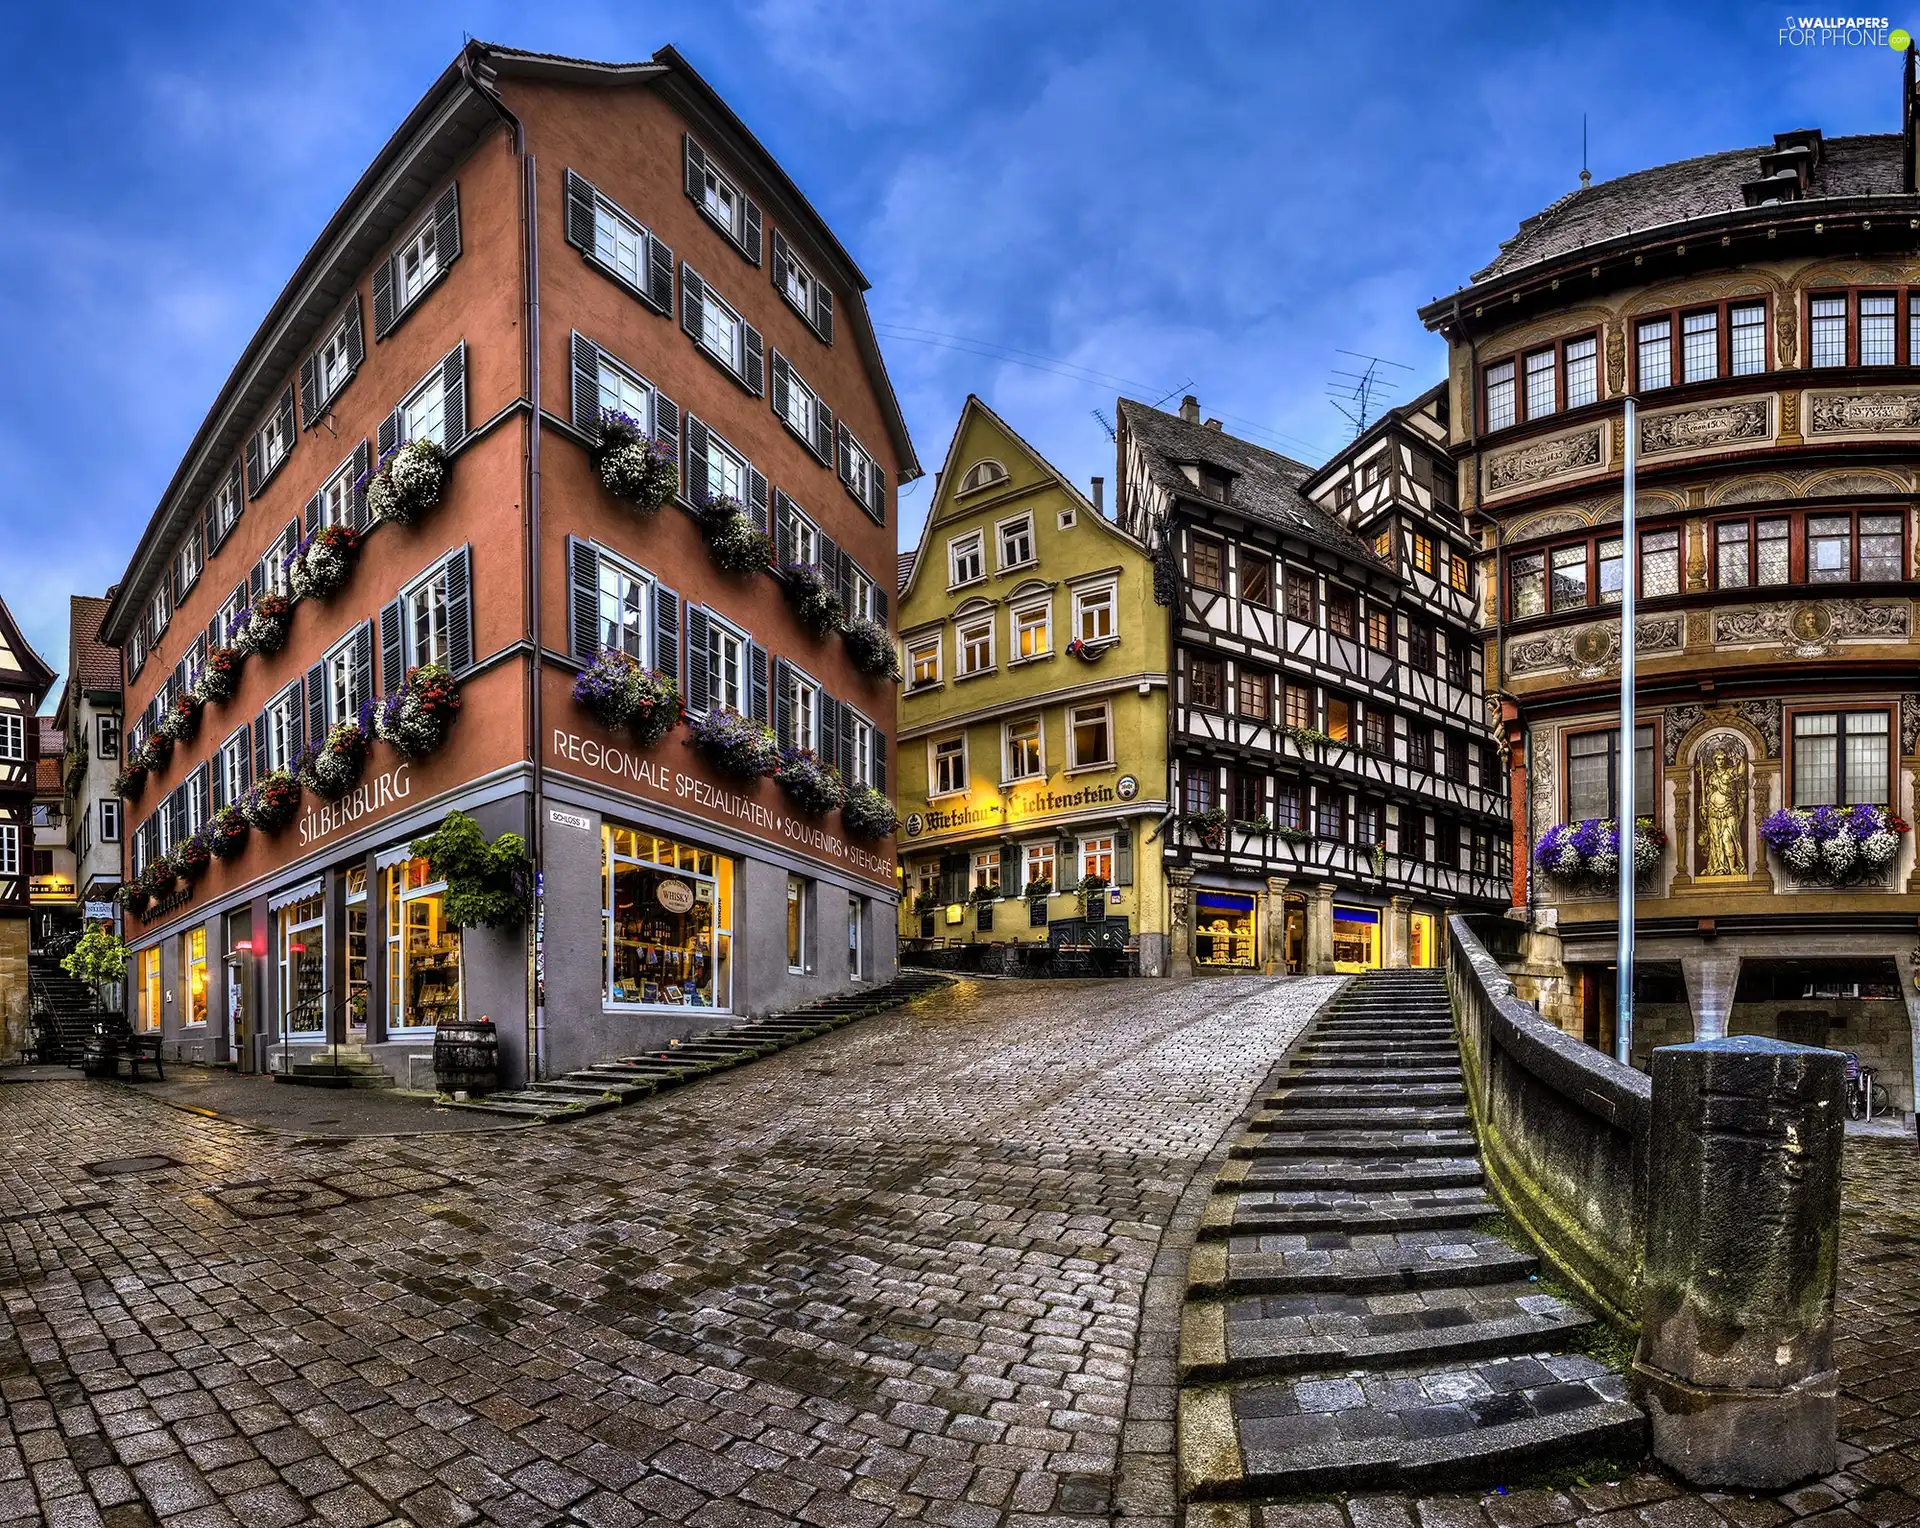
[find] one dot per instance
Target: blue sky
(1220, 196)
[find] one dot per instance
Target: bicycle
(1865, 1097)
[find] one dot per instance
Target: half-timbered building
(1334, 788)
(24, 682)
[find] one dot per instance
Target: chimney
(938, 473)
(1213, 424)
(1190, 409)
(1100, 495)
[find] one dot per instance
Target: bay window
(1700, 346)
(1876, 329)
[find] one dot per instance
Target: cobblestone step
(1359, 1073)
(1365, 1117)
(1336, 1262)
(1291, 1334)
(1452, 1425)
(1284, 1172)
(1310, 1095)
(1253, 1210)
(1354, 1143)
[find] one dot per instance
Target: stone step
(1382, 1029)
(1404, 1429)
(1294, 1118)
(579, 1085)
(1354, 1143)
(1290, 1334)
(1228, 1211)
(521, 1106)
(1277, 1172)
(1330, 1262)
(1409, 1049)
(1369, 1092)
(1327, 1074)
(616, 1078)
(1349, 1064)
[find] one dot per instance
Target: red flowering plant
(193, 856)
(331, 767)
(229, 833)
(153, 754)
(182, 719)
(221, 676)
(273, 802)
(415, 719)
(322, 564)
(132, 780)
(262, 627)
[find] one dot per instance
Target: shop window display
(303, 968)
(423, 954)
(1222, 929)
(667, 922)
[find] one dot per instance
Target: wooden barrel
(466, 1057)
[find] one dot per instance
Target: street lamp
(1625, 819)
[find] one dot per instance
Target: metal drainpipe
(530, 378)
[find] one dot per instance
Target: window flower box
(1586, 854)
(631, 465)
(182, 720)
(262, 626)
(815, 785)
(1210, 827)
(620, 693)
(193, 856)
(131, 781)
(734, 744)
(1833, 845)
(815, 600)
(1087, 652)
(416, 718)
(152, 755)
(229, 833)
(221, 677)
(870, 646)
(273, 802)
(867, 813)
(321, 564)
(332, 768)
(409, 483)
(733, 542)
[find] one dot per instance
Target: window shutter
(879, 761)
(846, 742)
(260, 746)
(1066, 864)
(210, 525)
(392, 659)
(217, 783)
(583, 597)
(757, 499)
(356, 339)
(460, 611)
(363, 665)
(878, 502)
(823, 312)
(753, 358)
(383, 298)
(453, 383)
(779, 394)
(880, 599)
(830, 560)
(579, 212)
(446, 226)
(843, 455)
(953, 878)
(214, 634)
(285, 411)
(310, 390)
(586, 385)
(666, 632)
(202, 787)
(659, 275)
(313, 514)
(253, 465)
(782, 529)
(666, 424)
(296, 725)
(389, 435)
(246, 763)
(696, 486)
(693, 293)
(782, 700)
(173, 580)
(236, 488)
(827, 717)
(751, 223)
(757, 682)
(698, 659)
(177, 812)
(778, 263)
(317, 703)
(362, 470)
(1123, 855)
(696, 170)
(256, 582)
(823, 425)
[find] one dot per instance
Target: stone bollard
(1735, 1366)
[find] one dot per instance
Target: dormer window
(983, 475)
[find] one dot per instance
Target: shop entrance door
(1420, 951)
(303, 971)
(1356, 939)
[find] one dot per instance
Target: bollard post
(1735, 1366)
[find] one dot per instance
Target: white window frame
(1093, 849)
(110, 819)
(416, 264)
(136, 649)
(803, 294)
(188, 561)
(275, 436)
(860, 482)
(808, 401)
(331, 368)
(1039, 856)
(1094, 597)
(9, 849)
(863, 733)
(800, 926)
(972, 548)
(803, 710)
(426, 402)
(336, 495)
(193, 662)
(1016, 618)
(984, 860)
(724, 635)
(13, 737)
(107, 735)
(918, 646)
(1074, 762)
(432, 582)
(624, 237)
(228, 612)
(726, 471)
(1012, 526)
(1008, 772)
(193, 798)
(715, 189)
(273, 561)
(935, 754)
(731, 355)
(231, 761)
(336, 666)
(159, 611)
(225, 505)
(606, 599)
(964, 628)
(803, 536)
(620, 389)
(283, 712)
(863, 595)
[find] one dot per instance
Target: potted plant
(1039, 889)
(409, 482)
(987, 891)
(415, 719)
(332, 767)
(812, 593)
(99, 960)
(489, 885)
(870, 646)
(1834, 846)
(867, 813)
(632, 466)
(1307, 739)
(1291, 835)
(815, 785)
(1586, 854)
(182, 718)
(1210, 827)
(192, 857)
(619, 693)
(154, 753)
(131, 780)
(1262, 824)
(229, 835)
(273, 801)
(322, 564)
(926, 901)
(221, 677)
(733, 541)
(262, 626)
(735, 744)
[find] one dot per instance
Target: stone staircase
(64, 1011)
(327, 1066)
(1354, 1319)
(628, 1079)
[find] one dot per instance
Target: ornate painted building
(1763, 307)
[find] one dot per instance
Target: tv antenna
(1105, 423)
(1357, 394)
(1586, 175)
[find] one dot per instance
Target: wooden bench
(112, 1043)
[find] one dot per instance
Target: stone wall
(15, 1028)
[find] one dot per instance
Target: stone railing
(1563, 1130)
(1700, 1206)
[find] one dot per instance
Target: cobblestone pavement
(1878, 1485)
(893, 1274)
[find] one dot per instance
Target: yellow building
(1032, 741)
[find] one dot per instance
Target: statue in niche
(1720, 786)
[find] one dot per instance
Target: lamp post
(1625, 818)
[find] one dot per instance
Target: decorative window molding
(269, 446)
(861, 474)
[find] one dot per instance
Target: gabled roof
(1267, 486)
(911, 562)
(20, 666)
(94, 666)
(1868, 164)
(51, 761)
(1395, 418)
(903, 570)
